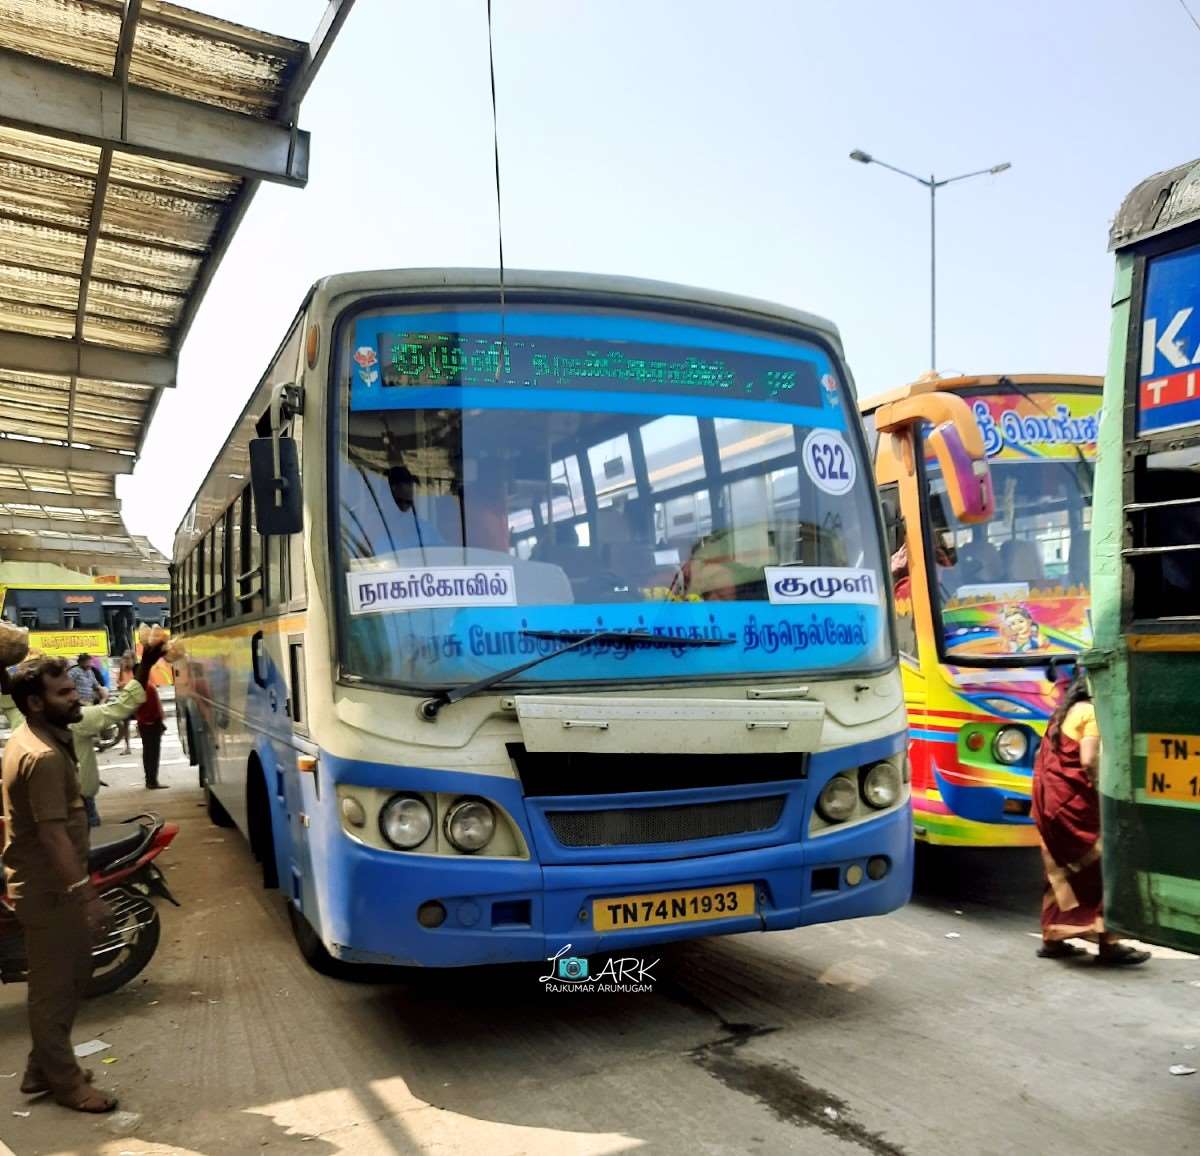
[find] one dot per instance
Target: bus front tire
(216, 813)
(314, 951)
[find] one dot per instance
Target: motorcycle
(121, 863)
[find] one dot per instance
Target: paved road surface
(876, 1037)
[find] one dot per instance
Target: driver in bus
(411, 529)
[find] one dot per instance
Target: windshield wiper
(575, 639)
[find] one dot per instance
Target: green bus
(1145, 558)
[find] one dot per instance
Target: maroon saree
(1066, 809)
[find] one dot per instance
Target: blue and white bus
(562, 618)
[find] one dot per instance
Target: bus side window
(251, 588)
(275, 561)
(1166, 581)
(296, 679)
(218, 606)
(906, 630)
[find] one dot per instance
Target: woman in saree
(1066, 809)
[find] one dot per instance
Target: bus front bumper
(506, 911)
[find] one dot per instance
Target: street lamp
(932, 184)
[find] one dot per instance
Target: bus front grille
(679, 823)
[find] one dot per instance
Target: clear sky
(706, 142)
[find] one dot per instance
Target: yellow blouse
(1080, 722)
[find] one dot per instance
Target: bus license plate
(1173, 768)
(620, 913)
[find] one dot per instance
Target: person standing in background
(93, 721)
(150, 727)
(124, 676)
(87, 681)
(1066, 810)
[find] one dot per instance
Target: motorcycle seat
(110, 841)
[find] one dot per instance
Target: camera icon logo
(572, 967)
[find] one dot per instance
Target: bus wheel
(258, 820)
(216, 813)
(313, 950)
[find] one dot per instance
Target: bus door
(901, 508)
(119, 623)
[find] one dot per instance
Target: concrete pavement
(881, 1036)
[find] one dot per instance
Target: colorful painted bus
(557, 618)
(99, 618)
(1146, 568)
(982, 610)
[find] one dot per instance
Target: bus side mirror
(956, 443)
(275, 465)
(275, 480)
(968, 479)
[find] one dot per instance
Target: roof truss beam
(110, 563)
(27, 353)
(17, 497)
(119, 546)
(37, 524)
(52, 456)
(59, 101)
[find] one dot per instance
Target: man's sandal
(37, 1086)
(1121, 955)
(1059, 949)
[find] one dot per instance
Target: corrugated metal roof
(1161, 202)
(133, 134)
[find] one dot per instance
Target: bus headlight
(405, 821)
(470, 825)
(1010, 745)
(837, 799)
(881, 786)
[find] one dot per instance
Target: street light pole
(932, 273)
(932, 184)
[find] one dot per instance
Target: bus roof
(1159, 204)
(930, 384)
(534, 280)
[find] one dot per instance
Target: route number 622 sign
(828, 461)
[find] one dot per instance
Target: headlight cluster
(1010, 745)
(406, 821)
(879, 786)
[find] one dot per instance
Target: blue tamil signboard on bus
(1169, 376)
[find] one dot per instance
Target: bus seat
(1022, 561)
(633, 560)
(445, 513)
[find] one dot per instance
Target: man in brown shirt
(45, 863)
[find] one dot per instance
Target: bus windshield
(1016, 589)
(616, 472)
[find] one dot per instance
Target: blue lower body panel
(510, 911)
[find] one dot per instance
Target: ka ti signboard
(1169, 375)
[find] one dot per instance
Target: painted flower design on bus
(830, 385)
(367, 360)
(1019, 630)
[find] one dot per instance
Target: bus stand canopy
(133, 136)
